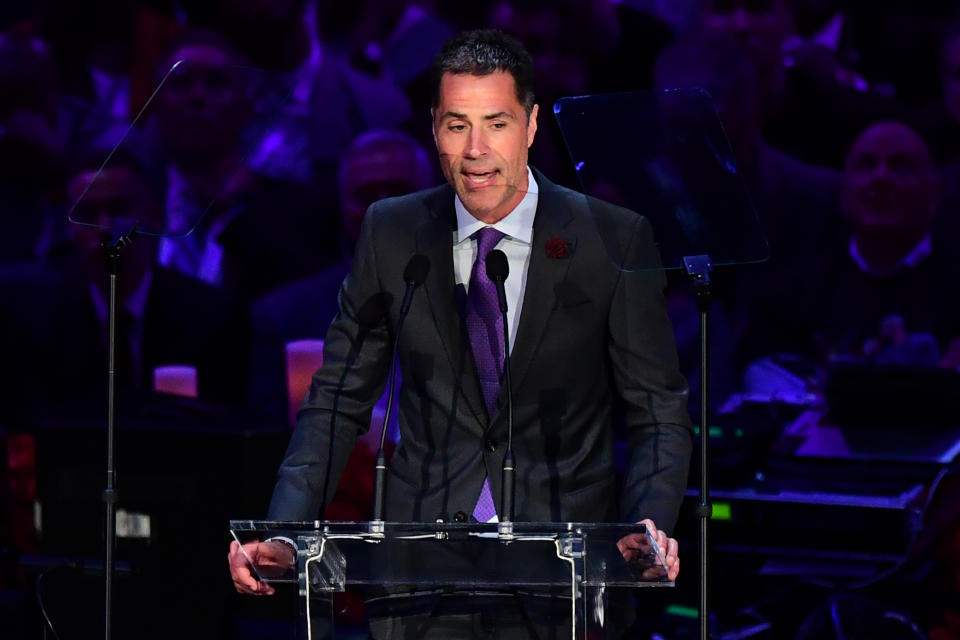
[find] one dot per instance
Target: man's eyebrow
(462, 116)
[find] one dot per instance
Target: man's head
(203, 104)
(379, 164)
(484, 120)
(549, 31)
(121, 193)
(721, 65)
(890, 186)
(762, 26)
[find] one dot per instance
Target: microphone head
(497, 267)
(417, 269)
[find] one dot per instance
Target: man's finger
(674, 569)
(243, 579)
(258, 588)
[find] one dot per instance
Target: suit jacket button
(491, 445)
(459, 516)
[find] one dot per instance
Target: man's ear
(433, 125)
(532, 124)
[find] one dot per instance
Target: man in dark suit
(586, 334)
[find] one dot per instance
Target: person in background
(327, 100)
(247, 233)
(886, 294)
(55, 329)
(379, 164)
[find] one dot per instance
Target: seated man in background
(254, 232)
(55, 326)
(884, 294)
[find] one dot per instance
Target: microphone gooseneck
(497, 270)
(414, 275)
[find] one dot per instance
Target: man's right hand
(273, 558)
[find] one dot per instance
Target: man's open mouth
(478, 178)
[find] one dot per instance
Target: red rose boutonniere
(558, 248)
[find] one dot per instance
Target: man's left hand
(635, 545)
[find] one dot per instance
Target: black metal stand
(698, 268)
(112, 248)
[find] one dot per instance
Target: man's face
(202, 103)
(483, 134)
(374, 174)
(951, 80)
(114, 195)
(560, 70)
(762, 25)
(889, 183)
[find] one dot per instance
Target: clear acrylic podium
(585, 563)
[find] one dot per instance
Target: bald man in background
(884, 294)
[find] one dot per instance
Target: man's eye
(457, 127)
(499, 125)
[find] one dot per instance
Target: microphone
(414, 275)
(497, 270)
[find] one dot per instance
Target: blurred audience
(379, 164)
(562, 38)
(32, 146)
(811, 95)
(796, 203)
(762, 27)
(55, 327)
(948, 222)
(247, 232)
(324, 100)
(282, 124)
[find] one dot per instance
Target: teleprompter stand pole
(112, 246)
(698, 268)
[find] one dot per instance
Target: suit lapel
(554, 213)
(435, 241)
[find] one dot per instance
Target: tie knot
(487, 239)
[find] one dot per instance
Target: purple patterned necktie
(485, 328)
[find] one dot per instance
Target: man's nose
(882, 173)
(476, 144)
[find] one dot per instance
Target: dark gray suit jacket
(588, 332)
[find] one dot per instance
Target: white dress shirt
(197, 255)
(516, 244)
(915, 256)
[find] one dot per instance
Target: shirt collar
(135, 305)
(916, 255)
(181, 203)
(518, 224)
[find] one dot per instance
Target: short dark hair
(194, 37)
(480, 53)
